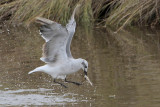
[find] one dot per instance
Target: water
(124, 69)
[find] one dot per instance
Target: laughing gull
(56, 50)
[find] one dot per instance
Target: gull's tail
(32, 72)
(38, 69)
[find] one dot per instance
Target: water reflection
(34, 97)
(123, 67)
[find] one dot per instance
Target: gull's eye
(84, 65)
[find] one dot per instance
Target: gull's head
(84, 65)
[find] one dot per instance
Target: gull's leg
(76, 83)
(60, 83)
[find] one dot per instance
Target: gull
(56, 50)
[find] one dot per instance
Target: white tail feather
(31, 72)
(38, 69)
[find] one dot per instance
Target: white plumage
(56, 50)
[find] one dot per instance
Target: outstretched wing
(71, 33)
(71, 26)
(56, 38)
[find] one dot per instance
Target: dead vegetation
(118, 13)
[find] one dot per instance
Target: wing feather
(71, 26)
(56, 37)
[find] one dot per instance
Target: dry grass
(59, 10)
(119, 13)
(139, 12)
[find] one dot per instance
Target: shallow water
(124, 69)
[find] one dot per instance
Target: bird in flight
(56, 50)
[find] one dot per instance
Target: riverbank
(117, 13)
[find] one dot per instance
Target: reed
(118, 13)
(134, 12)
(18, 11)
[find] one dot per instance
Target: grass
(18, 11)
(134, 12)
(118, 13)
